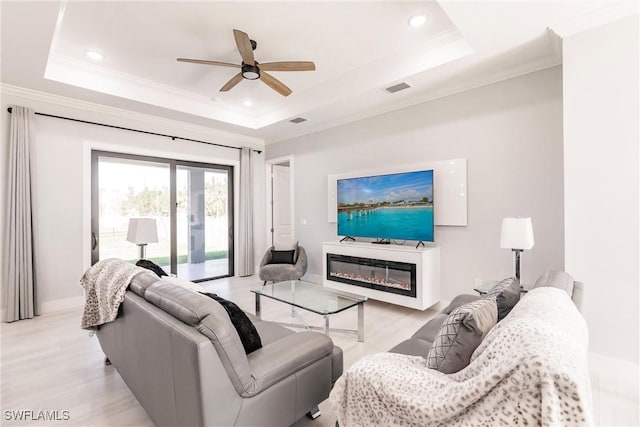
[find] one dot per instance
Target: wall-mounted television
(395, 206)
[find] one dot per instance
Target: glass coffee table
(314, 298)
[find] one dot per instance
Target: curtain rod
(137, 130)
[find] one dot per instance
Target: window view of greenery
(216, 234)
(132, 188)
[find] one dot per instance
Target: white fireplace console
(383, 271)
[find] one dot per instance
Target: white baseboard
(440, 305)
(53, 306)
(313, 278)
(61, 304)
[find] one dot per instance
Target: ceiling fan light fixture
(250, 72)
(417, 20)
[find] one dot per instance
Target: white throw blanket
(105, 284)
(531, 369)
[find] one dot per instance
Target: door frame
(269, 195)
(231, 170)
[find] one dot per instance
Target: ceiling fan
(250, 69)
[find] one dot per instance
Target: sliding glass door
(203, 221)
(191, 205)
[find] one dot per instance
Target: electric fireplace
(382, 275)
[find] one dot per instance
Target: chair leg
(314, 413)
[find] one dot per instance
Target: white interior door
(282, 223)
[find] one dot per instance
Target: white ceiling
(359, 49)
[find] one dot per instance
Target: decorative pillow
(150, 265)
(288, 247)
(506, 295)
(246, 330)
(281, 257)
(460, 334)
(556, 279)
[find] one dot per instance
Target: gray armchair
(282, 272)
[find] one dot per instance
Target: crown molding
(230, 138)
(596, 17)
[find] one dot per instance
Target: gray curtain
(245, 242)
(19, 278)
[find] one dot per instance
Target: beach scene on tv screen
(395, 206)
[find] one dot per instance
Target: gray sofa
(183, 360)
(420, 343)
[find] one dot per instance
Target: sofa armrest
(301, 264)
(578, 294)
(460, 300)
(286, 356)
(266, 258)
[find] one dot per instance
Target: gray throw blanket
(105, 284)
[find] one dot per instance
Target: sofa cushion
(141, 282)
(278, 272)
(246, 331)
(458, 301)
(181, 303)
(413, 347)
(460, 335)
(430, 329)
(506, 294)
(270, 332)
(556, 279)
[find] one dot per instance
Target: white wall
(511, 135)
(601, 181)
(61, 175)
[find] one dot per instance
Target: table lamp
(517, 235)
(142, 231)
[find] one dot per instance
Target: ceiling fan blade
(288, 66)
(244, 46)
(231, 83)
(202, 61)
(275, 84)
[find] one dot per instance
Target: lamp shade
(517, 233)
(142, 231)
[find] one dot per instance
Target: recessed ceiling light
(93, 55)
(216, 99)
(247, 103)
(417, 20)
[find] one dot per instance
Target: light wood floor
(49, 363)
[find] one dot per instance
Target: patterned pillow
(506, 294)
(460, 334)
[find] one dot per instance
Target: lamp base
(143, 250)
(517, 263)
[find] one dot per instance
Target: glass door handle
(94, 241)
